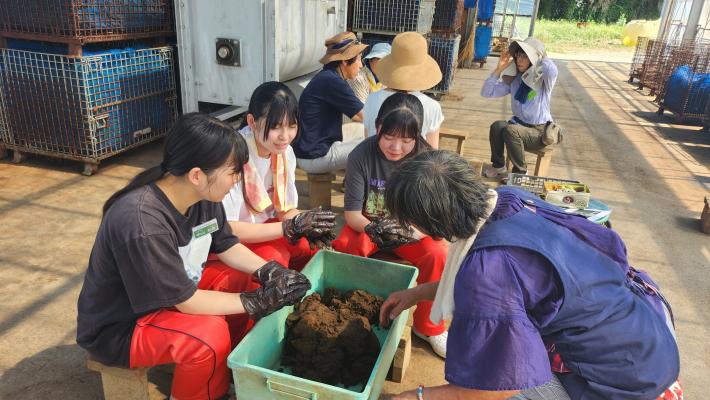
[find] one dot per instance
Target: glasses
(344, 43)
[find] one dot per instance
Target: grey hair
(439, 192)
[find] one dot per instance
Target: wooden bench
(459, 136)
(404, 349)
(121, 383)
(542, 164)
(319, 186)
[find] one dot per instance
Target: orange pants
(428, 255)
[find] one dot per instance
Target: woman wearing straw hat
(366, 81)
(525, 72)
(322, 145)
(408, 68)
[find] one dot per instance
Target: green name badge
(205, 228)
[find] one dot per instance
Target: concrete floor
(652, 173)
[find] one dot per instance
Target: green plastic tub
(255, 362)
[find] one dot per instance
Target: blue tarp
(482, 45)
(684, 84)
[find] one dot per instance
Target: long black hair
(275, 102)
(439, 192)
(401, 115)
(195, 140)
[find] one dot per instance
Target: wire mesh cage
(446, 53)
(85, 20)
(372, 39)
(447, 16)
(695, 55)
(687, 88)
(86, 108)
(393, 16)
(637, 60)
(657, 54)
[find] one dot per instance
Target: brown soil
(330, 338)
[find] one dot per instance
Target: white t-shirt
(234, 205)
(433, 116)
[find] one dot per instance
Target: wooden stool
(705, 217)
(121, 383)
(319, 186)
(542, 164)
(460, 137)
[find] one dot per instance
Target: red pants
(197, 344)
(294, 256)
(428, 255)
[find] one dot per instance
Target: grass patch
(564, 36)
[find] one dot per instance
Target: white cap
(379, 50)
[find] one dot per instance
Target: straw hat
(342, 46)
(409, 66)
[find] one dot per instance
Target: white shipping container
(226, 48)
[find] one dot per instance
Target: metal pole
(666, 16)
(691, 28)
(471, 40)
(512, 23)
(505, 14)
(533, 18)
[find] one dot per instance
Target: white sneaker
(492, 172)
(438, 342)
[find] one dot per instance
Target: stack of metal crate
(676, 73)
(85, 79)
(377, 21)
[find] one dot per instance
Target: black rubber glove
(274, 269)
(322, 241)
(285, 290)
(311, 223)
(388, 234)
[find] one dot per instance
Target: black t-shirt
(321, 107)
(146, 256)
(365, 179)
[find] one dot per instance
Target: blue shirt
(321, 106)
(536, 110)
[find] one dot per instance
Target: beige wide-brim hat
(409, 66)
(341, 47)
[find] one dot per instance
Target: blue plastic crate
(87, 107)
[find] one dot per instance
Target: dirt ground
(652, 172)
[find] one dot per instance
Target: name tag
(205, 228)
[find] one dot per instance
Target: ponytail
(195, 141)
(144, 178)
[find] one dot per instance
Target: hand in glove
(272, 270)
(311, 223)
(388, 234)
(278, 292)
(322, 241)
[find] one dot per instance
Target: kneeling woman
(262, 210)
(544, 304)
(367, 228)
(146, 299)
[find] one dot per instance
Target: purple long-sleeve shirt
(503, 296)
(536, 110)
